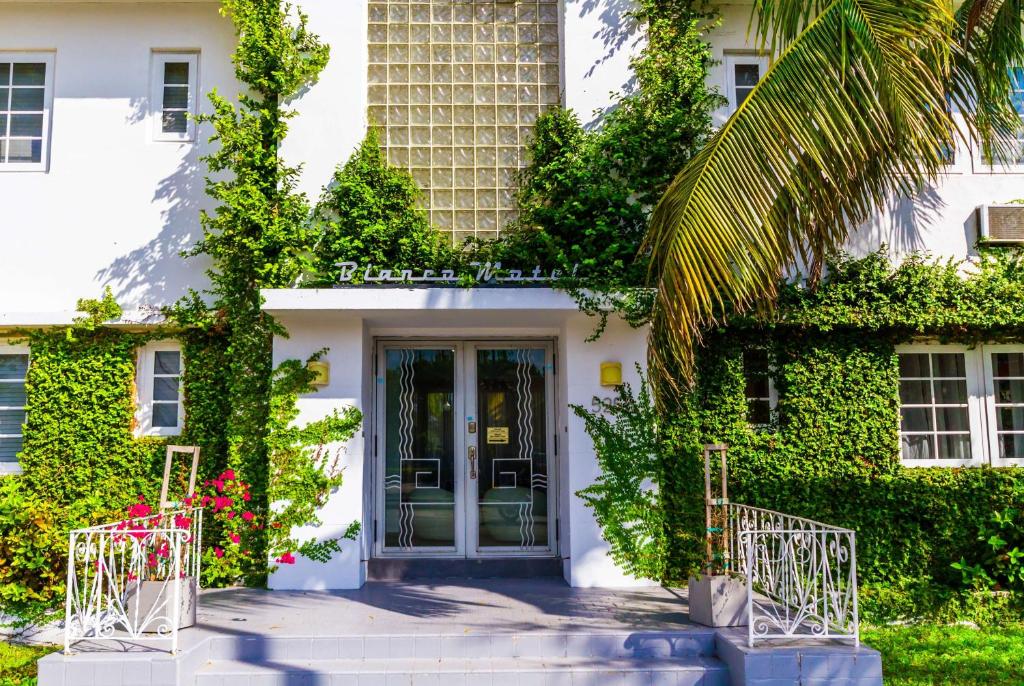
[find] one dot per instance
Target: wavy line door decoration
(419, 448)
(512, 488)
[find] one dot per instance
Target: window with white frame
(456, 88)
(1004, 376)
(743, 72)
(13, 369)
(935, 406)
(26, 98)
(175, 79)
(760, 389)
(161, 412)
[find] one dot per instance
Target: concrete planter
(149, 605)
(718, 600)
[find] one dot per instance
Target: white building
(101, 184)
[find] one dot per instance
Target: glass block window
(760, 391)
(1008, 403)
(13, 369)
(935, 422)
(456, 88)
(174, 96)
(25, 98)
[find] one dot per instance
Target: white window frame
(6, 348)
(975, 405)
(773, 394)
(159, 59)
(144, 385)
(732, 59)
(990, 403)
(44, 158)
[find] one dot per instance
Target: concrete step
(577, 671)
(528, 644)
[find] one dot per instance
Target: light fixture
(321, 372)
(611, 373)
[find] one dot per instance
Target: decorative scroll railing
(801, 575)
(133, 581)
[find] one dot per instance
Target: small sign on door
(497, 435)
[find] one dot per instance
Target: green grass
(922, 655)
(18, 663)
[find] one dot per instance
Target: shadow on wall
(907, 225)
(618, 30)
(156, 273)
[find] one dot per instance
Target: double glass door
(464, 447)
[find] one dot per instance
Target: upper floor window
(160, 408)
(13, 370)
(456, 88)
(742, 74)
(175, 78)
(26, 97)
(760, 389)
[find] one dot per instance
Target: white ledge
(357, 299)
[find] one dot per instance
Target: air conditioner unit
(1002, 224)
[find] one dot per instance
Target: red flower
(139, 510)
(235, 538)
(219, 484)
(276, 525)
(287, 559)
(228, 475)
(182, 522)
(221, 502)
(246, 497)
(218, 551)
(152, 560)
(248, 516)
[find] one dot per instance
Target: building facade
(470, 449)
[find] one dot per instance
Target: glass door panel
(419, 449)
(512, 477)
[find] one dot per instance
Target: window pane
(29, 73)
(747, 74)
(174, 122)
(13, 366)
(176, 72)
(949, 364)
(167, 362)
(165, 388)
(741, 95)
(916, 419)
(1010, 418)
(175, 97)
(757, 387)
(916, 392)
(26, 99)
(954, 447)
(11, 421)
(914, 365)
(1011, 446)
(5, 73)
(12, 394)
(917, 448)
(758, 412)
(1009, 391)
(165, 415)
(3, 118)
(1008, 364)
(950, 392)
(9, 448)
(22, 150)
(952, 419)
(27, 125)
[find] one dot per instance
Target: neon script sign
(486, 273)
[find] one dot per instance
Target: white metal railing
(128, 581)
(801, 574)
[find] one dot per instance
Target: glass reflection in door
(419, 448)
(512, 486)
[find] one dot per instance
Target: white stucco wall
(115, 207)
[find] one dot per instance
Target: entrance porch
(500, 631)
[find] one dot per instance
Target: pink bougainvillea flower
(221, 502)
(218, 551)
(248, 516)
(188, 501)
(246, 496)
(231, 515)
(152, 560)
(287, 559)
(219, 484)
(228, 475)
(182, 522)
(139, 510)
(235, 538)
(205, 501)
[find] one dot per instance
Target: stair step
(690, 671)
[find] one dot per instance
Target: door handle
(472, 462)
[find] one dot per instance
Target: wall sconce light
(611, 373)
(321, 371)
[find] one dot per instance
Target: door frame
(465, 515)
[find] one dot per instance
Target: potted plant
(718, 595)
